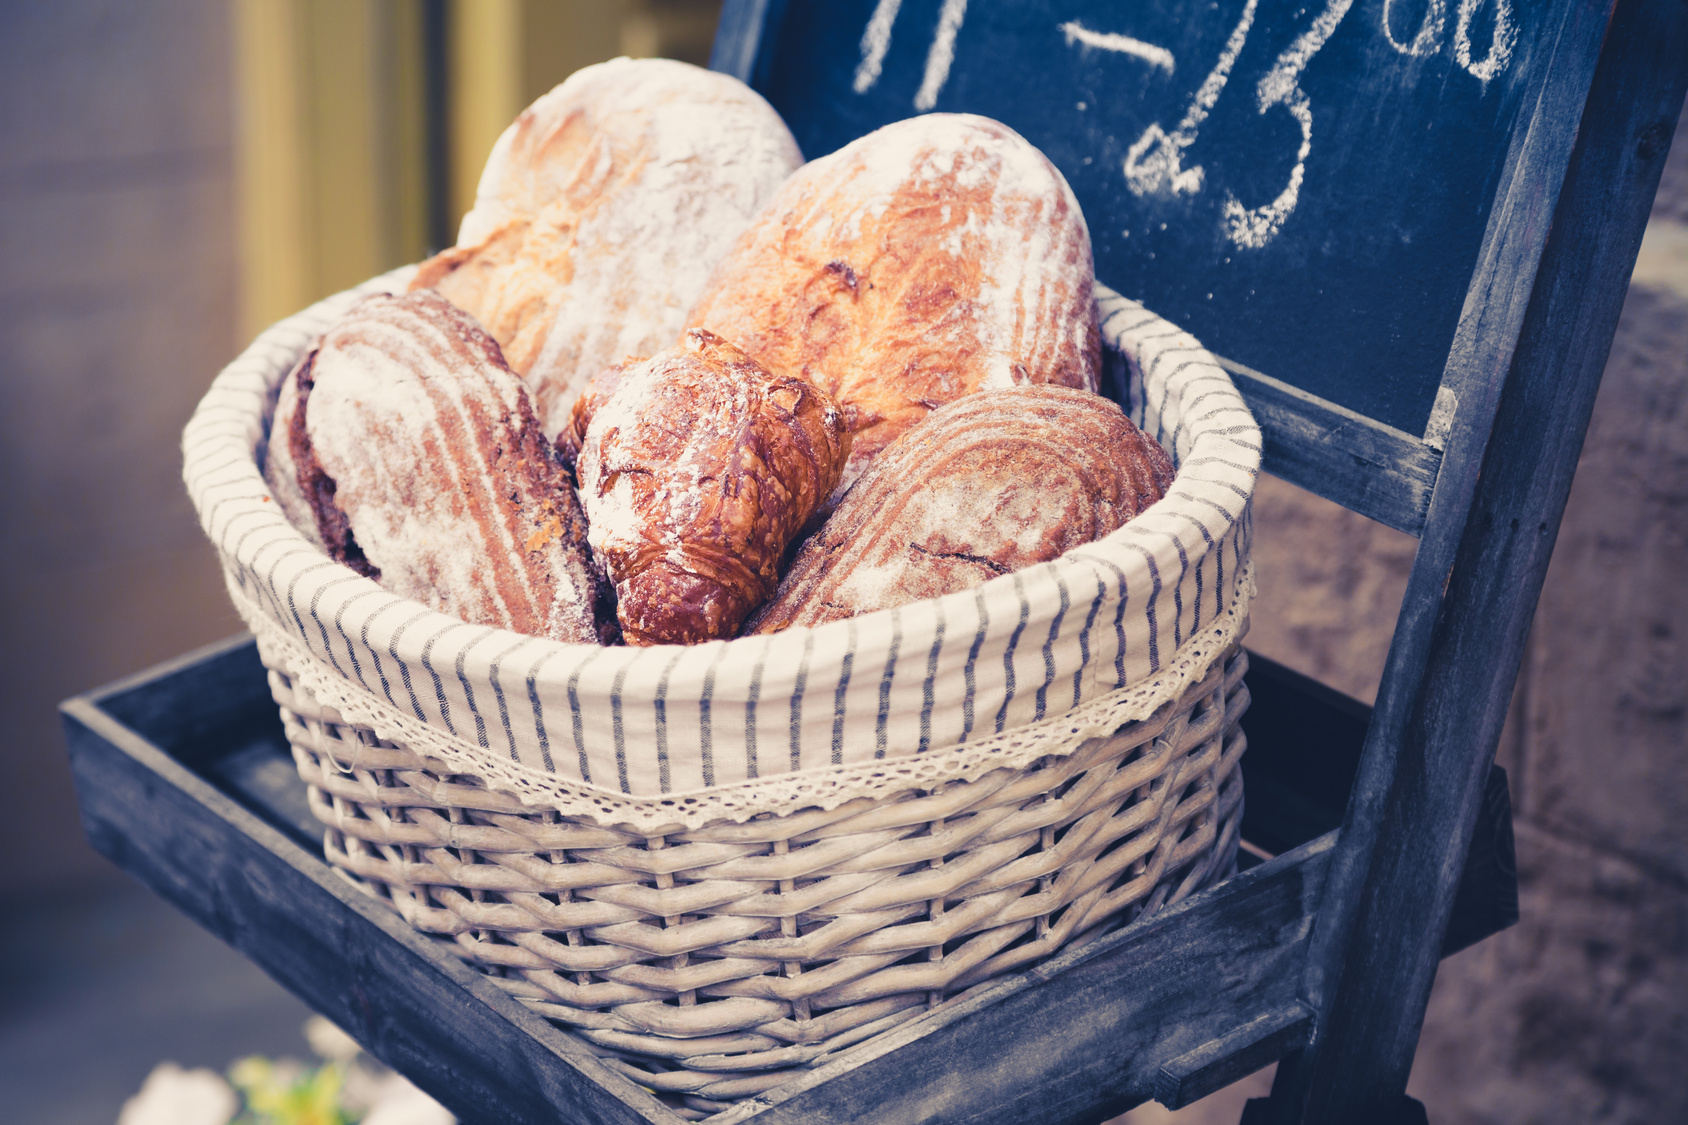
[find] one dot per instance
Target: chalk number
(1154, 163)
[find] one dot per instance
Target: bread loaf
(991, 483)
(602, 210)
(419, 452)
(936, 257)
(697, 468)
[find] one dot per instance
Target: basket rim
(284, 585)
(818, 787)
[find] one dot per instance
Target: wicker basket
(716, 864)
(707, 964)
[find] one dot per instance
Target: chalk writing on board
(1505, 36)
(938, 59)
(876, 40)
(1154, 161)
(1254, 227)
(1123, 44)
(1427, 40)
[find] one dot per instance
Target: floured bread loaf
(697, 468)
(419, 453)
(602, 210)
(994, 482)
(936, 257)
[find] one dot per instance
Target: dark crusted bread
(986, 485)
(418, 452)
(697, 469)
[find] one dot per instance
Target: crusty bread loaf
(991, 483)
(936, 257)
(602, 210)
(697, 468)
(418, 449)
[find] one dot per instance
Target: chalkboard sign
(1304, 186)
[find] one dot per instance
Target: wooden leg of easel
(1401, 1110)
(1383, 917)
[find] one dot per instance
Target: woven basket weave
(717, 864)
(708, 963)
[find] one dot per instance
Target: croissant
(598, 388)
(990, 483)
(418, 452)
(697, 469)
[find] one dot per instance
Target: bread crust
(933, 258)
(991, 483)
(697, 469)
(281, 473)
(419, 452)
(600, 213)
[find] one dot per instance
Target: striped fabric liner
(1029, 664)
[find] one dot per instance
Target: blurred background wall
(175, 175)
(119, 297)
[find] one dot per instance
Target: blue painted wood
(1496, 372)
(1304, 747)
(1553, 292)
(1363, 465)
(186, 780)
(1236, 1054)
(1181, 123)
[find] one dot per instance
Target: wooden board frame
(1359, 462)
(1484, 489)
(186, 781)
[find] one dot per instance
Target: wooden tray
(185, 781)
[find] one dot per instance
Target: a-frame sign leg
(1493, 520)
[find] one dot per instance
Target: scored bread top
(986, 485)
(281, 473)
(601, 212)
(431, 453)
(935, 257)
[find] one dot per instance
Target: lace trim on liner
(778, 794)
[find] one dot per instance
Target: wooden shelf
(186, 781)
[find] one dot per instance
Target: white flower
(173, 1096)
(329, 1041)
(397, 1102)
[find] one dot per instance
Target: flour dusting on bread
(933, 258)
(601, 212)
